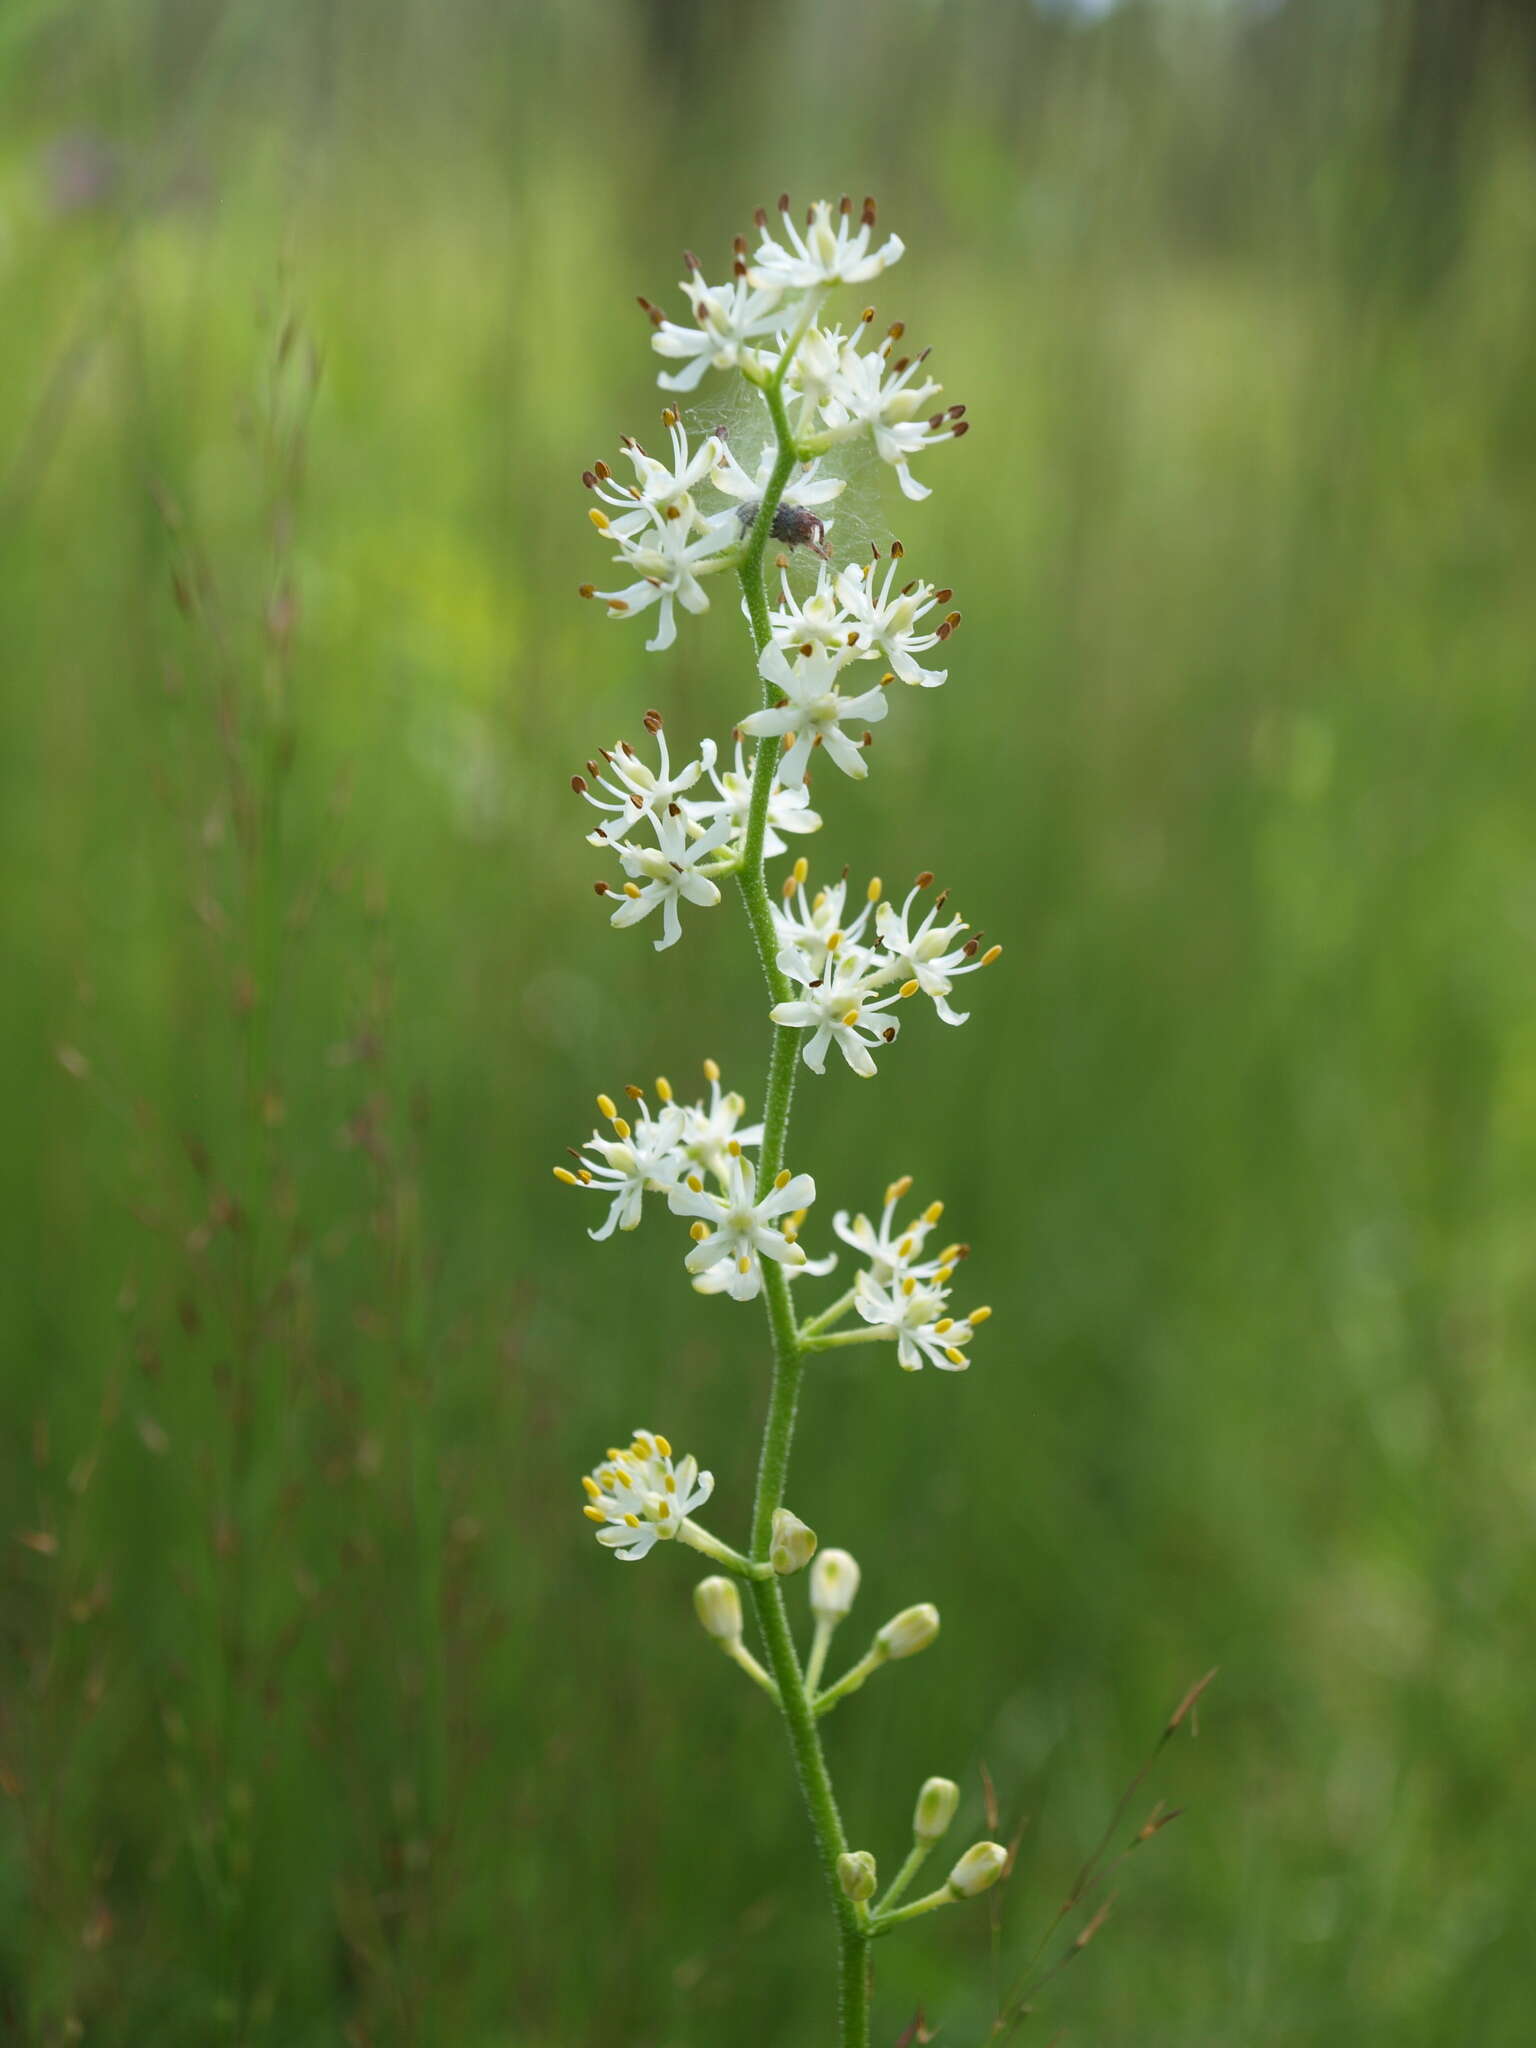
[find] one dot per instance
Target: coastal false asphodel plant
(842, 964)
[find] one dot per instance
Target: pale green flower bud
(981, 1865)
(794, 1545)
(834, 1583)
(935, 1809)
(718, 1606)
(910, 1631)
(856, 1874)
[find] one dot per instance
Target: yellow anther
(671, 1484)
(564, 1173)
(663, 1088)
(781, 1178)
(695, 1183)
(948, 1256)
(605, 1104)
(665, 1449)
(584, 1175)
(632, 890)
(944, 1323)
(933, 1212)
(956, 1357)
(711, 1071)
(598, 519)
(663, 1511)
(668, 416)
(906, 1248)
(621, 1126)
(978, 1315)
(990, 955)
(800, 870)
(611, 1455)
(834, 942)
(874, 890)
(852, 1017)
(698, 1231)
(621, 1477)
(594, 1514)
(909, 988)
(908, 1284)
(898, 1188)
(591, 1486)
(944, 1275)
(734, 1148)
(633, 1521)
(744, 1264)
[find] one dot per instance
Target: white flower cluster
(673, 846)
(850, 981)
(904, 1296)
(695, 1155)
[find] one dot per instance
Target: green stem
(886, 1921)
(700, 1539)
(917, 1857)
(788, 1362)
(850, 1681)
(828, 1316)
(816, 1662)
(839, 1338)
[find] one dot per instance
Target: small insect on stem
(792, 525)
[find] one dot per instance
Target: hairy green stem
(788, 1358)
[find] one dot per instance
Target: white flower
(660, 494)
(639, 1498)
(727, 318)
(831, 251)
(669, 565)
(870, 392)
(818, 928)
(661, 875)
(734, 1231)
(886, 621)
(642, 1156)
(633, 787)
(930, 957)
(813, 711)
(916, 1313)
(839, 1005)
(709, 1132)
(894, 1251)
(789, 810)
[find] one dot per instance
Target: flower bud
(910, 1631)
(794, 1545)
(935, 1809)
(980, 1866)
(856, 1874)
(834, 1582)
(718, 1605)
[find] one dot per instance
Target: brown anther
(943, 632)
(760, 217)
(691, 261)
(600, 888)
(902, 363)
(635, 1094)
(908, 587)
(589, 478)
(889, 1033)
(935, 421)
(674, 512)
(637, 801)
(652, 313)
(957, 412)
(668, 416)
(579, 784)
(783, 202)
(674, 811)
(866, 316)
(845, 205)
(740, 245)
(585, 590)
(626, 748)
(816, 742)
(952, 619)
(942, 596)
(941, 899)
(897, 329)
(853, 638)
(868, 215)
(874, 550)
(806, 648)
(960, 427)
(652, 721)
(925, 879)
(618, 604)
(969, 948)
(897, 549)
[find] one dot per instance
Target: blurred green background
(323, 1719)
